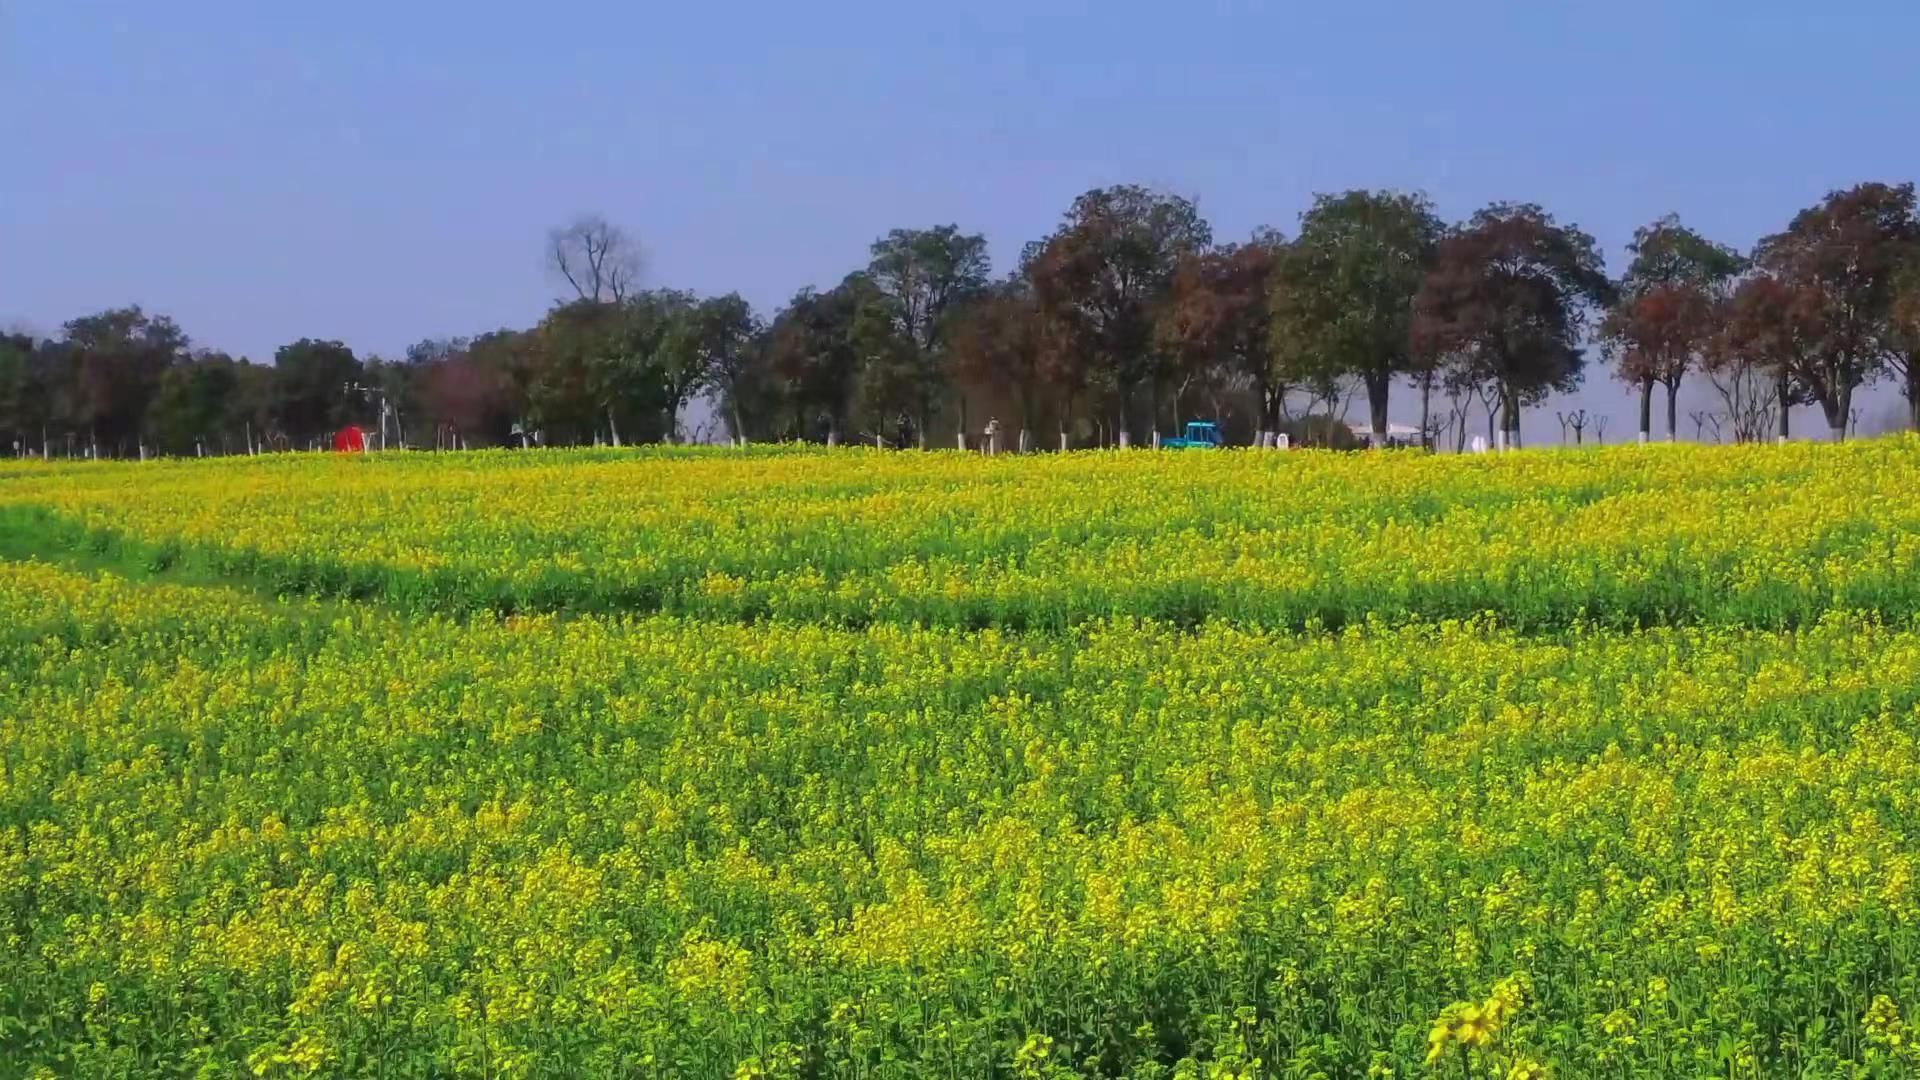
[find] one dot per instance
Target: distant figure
(993, 435)
(350, 440)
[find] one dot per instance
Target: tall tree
(729, 339)
(23, 410)
(924, 274)
(670, 322)
(476, 391)
(251, 406)
(1509, 295)
(820, 344)
(1666, 311)
(596, 258)
(1841, 259)
(602, 362)
(1218, 318)
(1772, 332)
(995, 343)
(1104, 273)
(1751, 387)
(118, 357)
(1903, 342)
(1347, 296)
(194, 405)
(310, 395)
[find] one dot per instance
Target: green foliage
(310, 395)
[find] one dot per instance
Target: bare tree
(1750, 392)
(1575, 422)
(597, 258)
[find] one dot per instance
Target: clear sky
(386, 172)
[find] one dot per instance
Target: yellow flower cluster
(1623, 536)
(1246, 802)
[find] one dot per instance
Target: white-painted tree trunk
(1063, 442)
(1126, 439)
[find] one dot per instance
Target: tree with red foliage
(1904, 335)
(1771, 330)
(1217, 323)
(1667, 311)
(1102, 277)
(1839, 260)
(1508, 298)
(995, 343)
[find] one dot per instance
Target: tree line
(1128, 318)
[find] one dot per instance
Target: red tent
(350, 440)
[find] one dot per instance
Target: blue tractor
(1200, 435)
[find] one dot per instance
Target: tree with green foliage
(117, 358)
(821, 344)
(731, 343)
(22, 402)
(1345, 297)
(195, 405)
(924, 274)
(310, 395)
(601, 361)
(666, 323)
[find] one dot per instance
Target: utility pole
(381, 394)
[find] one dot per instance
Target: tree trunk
(1646, 411)
(739, 429)
(613, 426)
(1913, 392)
(1510, 412)
(1378, 387)
(1834, 406)
(1426, 413)
(1673, 427)
(1781, 386)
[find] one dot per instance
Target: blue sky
(386, 172)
